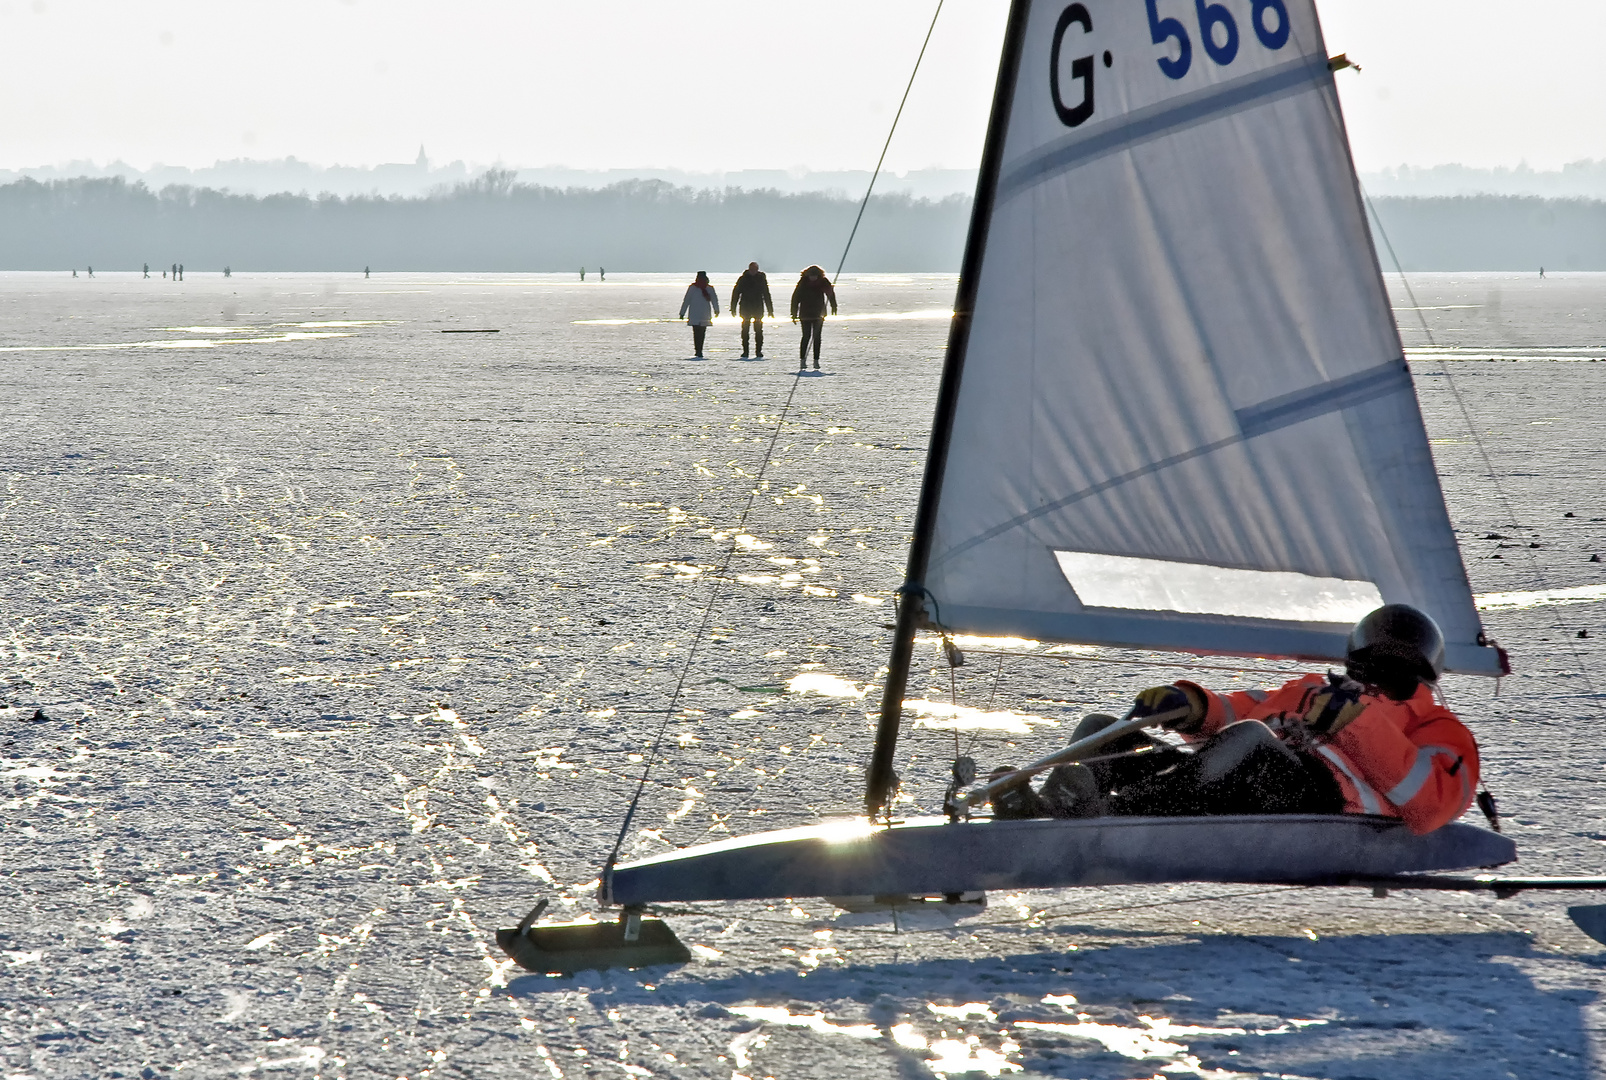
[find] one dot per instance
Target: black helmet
(1395, 648)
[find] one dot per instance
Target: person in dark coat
(750, 299)
(813, 292)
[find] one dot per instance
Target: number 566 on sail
(1072, 90)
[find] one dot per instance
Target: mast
(882, 781)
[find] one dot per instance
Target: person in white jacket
(698, 309)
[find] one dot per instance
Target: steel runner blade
(1591, 919)
(565, 948)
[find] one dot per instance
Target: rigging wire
(866, 200)
(1483, 451)
(702, 629)
(752, 495)
(1337, 120)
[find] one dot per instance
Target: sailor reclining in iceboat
(1372, 741)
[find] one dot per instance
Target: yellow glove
(1164, 699)
(1327, 710)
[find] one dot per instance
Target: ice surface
(350, 648)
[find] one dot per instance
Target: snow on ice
(332, 643)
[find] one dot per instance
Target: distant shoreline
(496, 225)
(413, 179)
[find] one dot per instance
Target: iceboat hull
(929, 856)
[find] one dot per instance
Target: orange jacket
(1407, 759)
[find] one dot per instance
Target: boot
(1017, 801)
(1072, 791)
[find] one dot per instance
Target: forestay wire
(702, 629)
(752, 496)
(866, 200)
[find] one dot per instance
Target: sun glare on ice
(818, 682)
(941, 716)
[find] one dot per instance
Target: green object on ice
(565, 948)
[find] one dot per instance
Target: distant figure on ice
(75, 271)
(91, 271)
(1370, 741)
(750, 298)
(175, 271)
(582, 273)
(365, 272)
(699, 309)
(1541, 273)
(181, 271)
(808, 308)
(227, 272)
(147, 269)
(602, 275)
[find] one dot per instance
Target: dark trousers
(812, 328)
(697, 335)
(757, 323)
(1243, 769)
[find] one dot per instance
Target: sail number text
(1218, 36)
(1221, 47)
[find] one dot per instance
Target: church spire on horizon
(423, 159)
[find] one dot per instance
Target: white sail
(1184, 418)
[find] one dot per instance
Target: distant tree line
(494, 224)
(1493, 232)
(489, 224)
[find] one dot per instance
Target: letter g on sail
(1081, 68)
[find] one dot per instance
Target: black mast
(912, 609)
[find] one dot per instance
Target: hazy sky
(715, 86)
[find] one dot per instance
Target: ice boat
(1174, 414)
(932, 856)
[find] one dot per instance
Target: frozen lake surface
(348, 635)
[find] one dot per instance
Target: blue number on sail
(1161, 30)
(1272, 39)
(1081, 68)
(1210, 17)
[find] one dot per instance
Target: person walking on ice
(699, 308)
(813, 291)
(750, 299)
(1370, 741)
